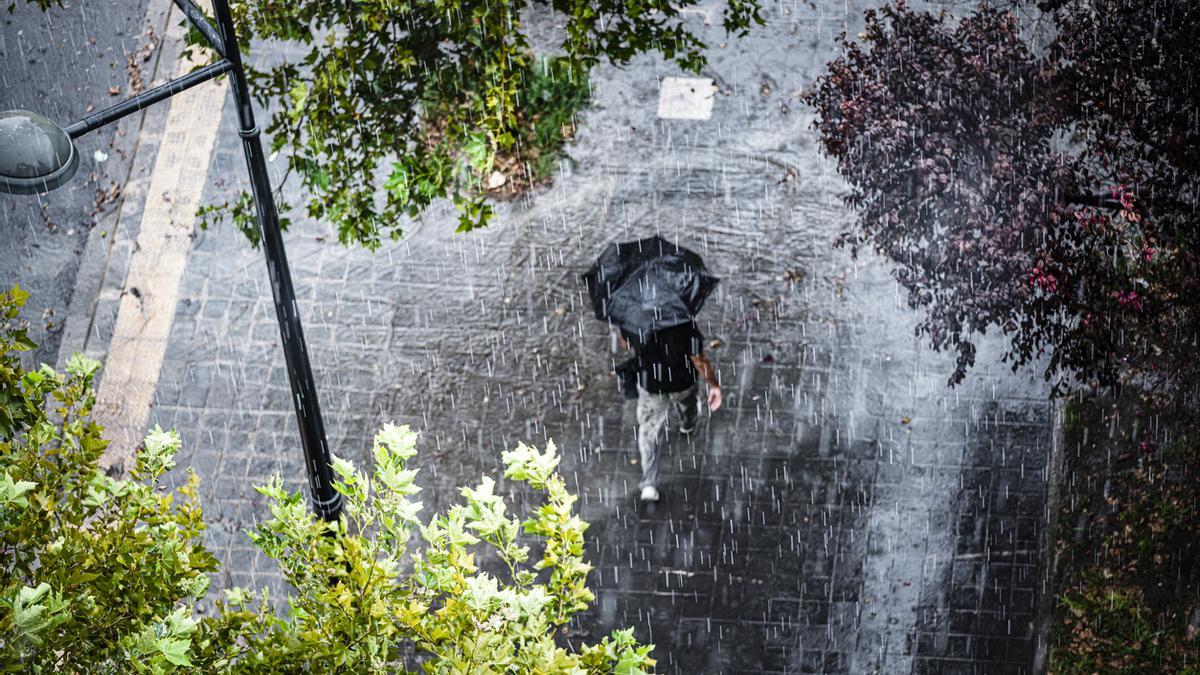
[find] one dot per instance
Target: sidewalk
(844, 513)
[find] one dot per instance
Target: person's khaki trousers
(652, 413)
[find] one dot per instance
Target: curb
(1045, 609)
(100, 280)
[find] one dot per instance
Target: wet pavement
(62, 64)
(844, 512)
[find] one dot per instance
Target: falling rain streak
(844, 512)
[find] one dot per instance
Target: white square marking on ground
(686, 98)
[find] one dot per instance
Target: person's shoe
(649, 494)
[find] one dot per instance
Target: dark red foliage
(1049, 193)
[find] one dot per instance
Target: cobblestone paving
(844, 513)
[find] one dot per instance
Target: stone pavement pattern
(844, 513)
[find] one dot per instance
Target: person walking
(667, 363)
(652, 289)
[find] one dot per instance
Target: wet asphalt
(63, 64)
(845, 512)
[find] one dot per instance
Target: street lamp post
(37, 155)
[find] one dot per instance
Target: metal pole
(200, 22)
(147, 98)
(326, 501)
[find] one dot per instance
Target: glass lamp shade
(36, 155)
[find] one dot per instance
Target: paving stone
(806, 528)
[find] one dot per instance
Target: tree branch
(1100, 200)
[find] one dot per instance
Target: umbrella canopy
(647, 285)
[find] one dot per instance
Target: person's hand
(714, 398)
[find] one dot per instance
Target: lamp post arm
(147, 98)
(200, 21)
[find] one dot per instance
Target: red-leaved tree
(1048, 193)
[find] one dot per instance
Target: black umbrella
(648, 285)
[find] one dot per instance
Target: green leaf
(525, 463)
(478, 153)
(175, 650)
(21, 342)
(82, 366)
(17, 296)
(157, 454)
(397, 441)
(37, 610)
(236, 596)
(13, 492)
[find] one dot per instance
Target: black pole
(147, 98)
(200, 22)
(326, 501)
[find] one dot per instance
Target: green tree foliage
(357, 609)
(16, 408)
(388, 105)
(103, 574)
(95, 572)
(42, 4)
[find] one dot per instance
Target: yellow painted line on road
(147, 305)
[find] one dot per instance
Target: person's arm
(706, 370)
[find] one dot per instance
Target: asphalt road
(64, 63)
